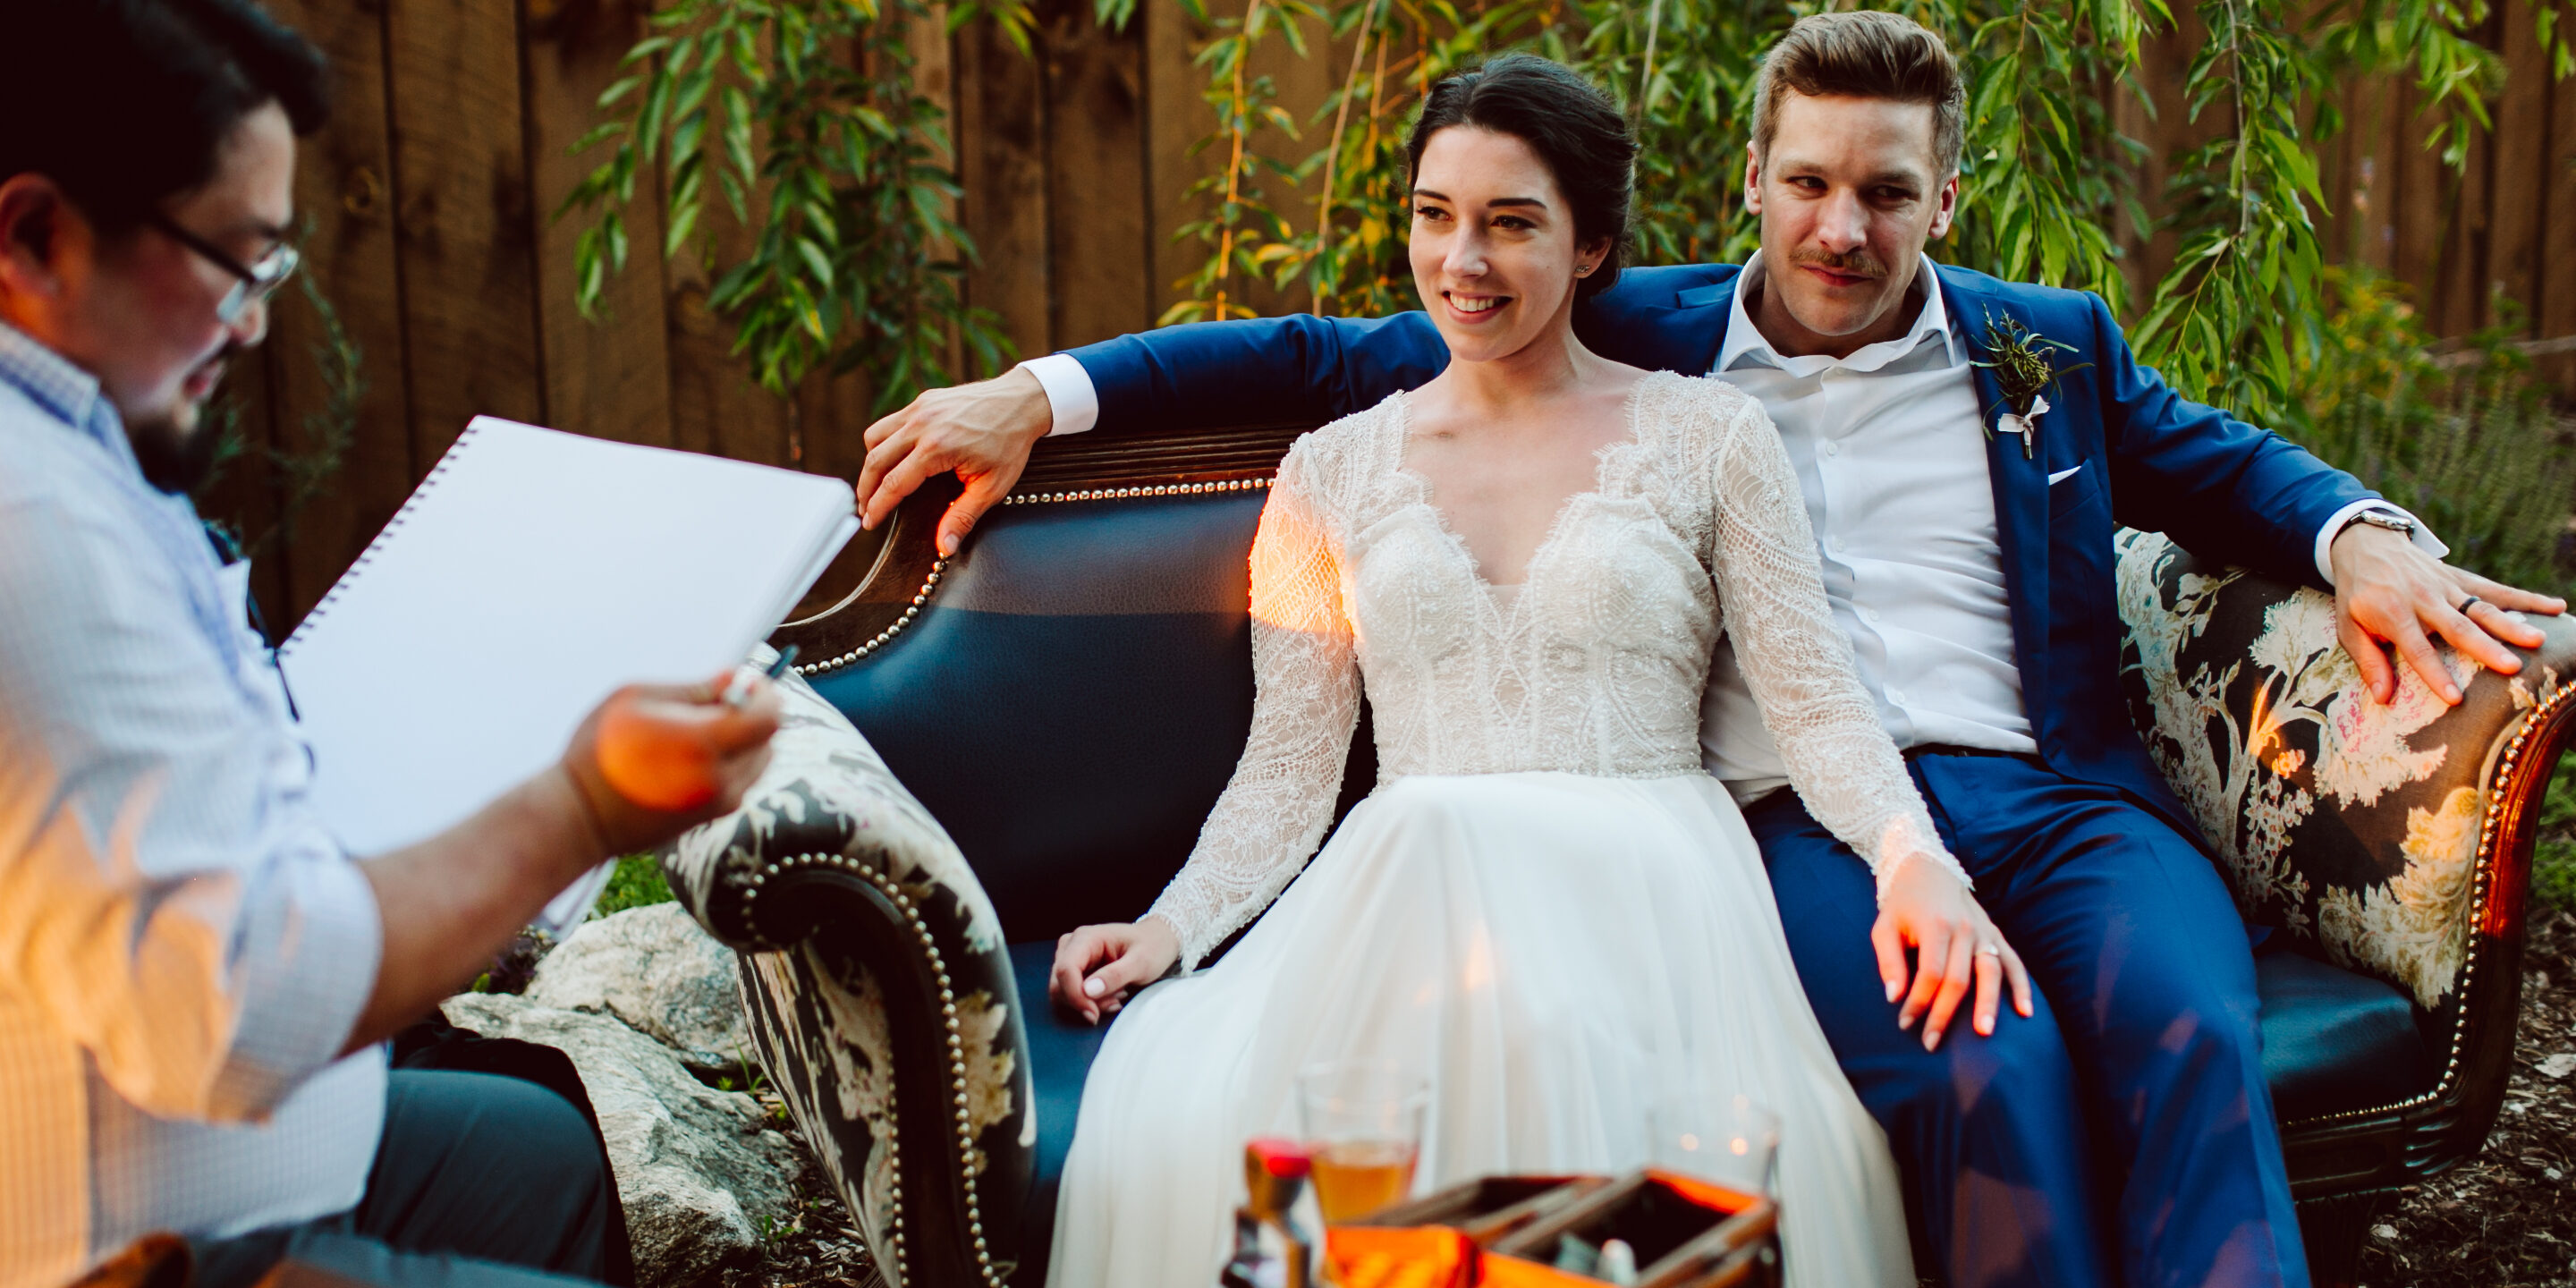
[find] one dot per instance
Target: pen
(738, 690)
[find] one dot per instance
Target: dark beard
(175, 458)
(180, 447)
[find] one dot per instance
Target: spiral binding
(392, 525)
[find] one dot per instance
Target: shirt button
(1833, 448)
(1834, 543)
(1896, 696)
(1869, 615)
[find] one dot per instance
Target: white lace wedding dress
(1546, 905)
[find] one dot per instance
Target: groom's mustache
(1859, 262)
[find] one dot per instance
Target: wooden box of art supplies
(1649, 1229)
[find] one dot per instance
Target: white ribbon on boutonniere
(2024, 427)
(2023, 362)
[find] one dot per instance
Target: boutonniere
(2024, 363)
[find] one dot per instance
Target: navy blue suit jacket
(2143, 457)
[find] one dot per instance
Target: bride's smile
(1494, 246)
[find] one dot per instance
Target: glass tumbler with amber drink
(1363, 1123)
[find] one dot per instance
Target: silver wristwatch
(2396, 523)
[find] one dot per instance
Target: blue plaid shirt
(183, 948)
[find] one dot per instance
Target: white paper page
(535, 573)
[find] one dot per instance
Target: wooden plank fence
(432, 193)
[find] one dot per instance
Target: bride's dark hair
(1574, 128)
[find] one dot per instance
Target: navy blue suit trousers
(2122, 1135)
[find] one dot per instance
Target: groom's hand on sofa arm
(981, 432)
(1927, 909)
(2386, 589)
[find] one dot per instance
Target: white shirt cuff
(1070, 393)
(2334, 525)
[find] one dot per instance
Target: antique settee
(1048, 716)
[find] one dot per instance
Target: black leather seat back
(1073, 698)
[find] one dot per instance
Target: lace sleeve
(1305, 705)
(1795, 658)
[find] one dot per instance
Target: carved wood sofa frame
(907, 1034)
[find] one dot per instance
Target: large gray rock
(655, 969)
(702, 1182)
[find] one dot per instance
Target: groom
(2122, 1133)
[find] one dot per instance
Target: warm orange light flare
(2261, 731)
(1294, 578)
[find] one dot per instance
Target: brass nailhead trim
(2505, 764)
(1122, 493)
(947, 998)
(956, 1058)
(883, 637)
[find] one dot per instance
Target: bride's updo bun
(1574, 128)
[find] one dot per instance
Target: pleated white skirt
(1553, 952)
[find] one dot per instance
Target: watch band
(2396, 523)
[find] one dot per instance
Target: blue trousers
(2123, 1134)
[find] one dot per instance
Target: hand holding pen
(737, 691)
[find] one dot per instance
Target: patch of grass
(637, 883)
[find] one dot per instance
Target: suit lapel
(2020, 483)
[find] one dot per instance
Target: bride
(1545, 906)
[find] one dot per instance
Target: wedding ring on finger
(1989, 950)
(2466, 604)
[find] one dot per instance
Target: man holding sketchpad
(197, 976)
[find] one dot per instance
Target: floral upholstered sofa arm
(878, 988)
(2390, 839)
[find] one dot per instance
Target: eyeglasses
(258, 280)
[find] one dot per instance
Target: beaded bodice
(1594, 665)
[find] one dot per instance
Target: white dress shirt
(1891, 453)
(183, 949)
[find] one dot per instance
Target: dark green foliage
(2465, 438)
(803, 116)
(2047, 180)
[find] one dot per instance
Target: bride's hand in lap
(1097, 966)
(1956, 947)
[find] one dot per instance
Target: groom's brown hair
(1865, 54)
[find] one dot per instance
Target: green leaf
(817, 260)
(683, 222)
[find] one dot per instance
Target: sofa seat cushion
(2334, 1040)
(1061, 1048)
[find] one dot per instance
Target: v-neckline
(1601, 457)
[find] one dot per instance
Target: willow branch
(1333, 154)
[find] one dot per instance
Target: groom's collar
(1745, 342)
